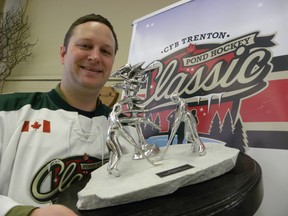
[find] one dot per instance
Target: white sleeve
(6, 204)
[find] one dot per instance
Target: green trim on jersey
(50, 100)
(21, 211)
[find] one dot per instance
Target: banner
(229, 61)
(231, 68)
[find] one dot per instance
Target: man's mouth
(92, 69)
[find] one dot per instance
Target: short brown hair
(88, 18)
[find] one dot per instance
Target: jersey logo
(58, 174)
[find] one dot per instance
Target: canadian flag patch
(36, 126)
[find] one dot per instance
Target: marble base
(140, 180)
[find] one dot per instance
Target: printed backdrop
(230, 67)
(229, 60)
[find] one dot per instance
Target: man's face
(89, 57)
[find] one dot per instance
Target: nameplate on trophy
(174, 170)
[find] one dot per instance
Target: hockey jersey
(45, 146)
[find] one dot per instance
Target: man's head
(88, 18)
(88, 55)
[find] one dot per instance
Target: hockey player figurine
(134, 77)
(190, 127)
(115, 131)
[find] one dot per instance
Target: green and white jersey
(45, 145)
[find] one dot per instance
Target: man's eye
(85, 46)
(107, 52)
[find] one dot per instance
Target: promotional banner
(229, 61)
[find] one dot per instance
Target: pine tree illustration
(215, 125)
(227, 128)
(239, 139)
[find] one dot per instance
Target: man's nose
(94, 55)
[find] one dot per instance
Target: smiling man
(88, 57)
(49, 140)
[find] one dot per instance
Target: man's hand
(53, 210)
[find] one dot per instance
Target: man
(51, 140)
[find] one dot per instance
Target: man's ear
(62, 53)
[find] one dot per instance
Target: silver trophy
(134, 115)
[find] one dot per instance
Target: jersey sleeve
(6, 204)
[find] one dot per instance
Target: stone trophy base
(140, 180)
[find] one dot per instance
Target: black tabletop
(238, 192)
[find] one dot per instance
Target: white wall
(51, 19)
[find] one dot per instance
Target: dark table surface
(238, 192)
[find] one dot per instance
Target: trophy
(149, 171)
(134, 115)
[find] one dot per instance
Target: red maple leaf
(36, 125)
(86, 157)
(191, 48)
